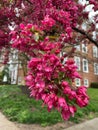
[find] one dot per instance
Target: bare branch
(86, 35)
(29, 1)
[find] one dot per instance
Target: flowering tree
(41, 30)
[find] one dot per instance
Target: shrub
(94, 85)
(1, 78)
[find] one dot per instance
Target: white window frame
(77, 82)
(77, 47)
(85, 65)
(84, 48)
(77, 62)
(65, 59)
(15, 55)
(0, 58)
(96, 68)
(95, 52)
(19, 79)
(86, 82)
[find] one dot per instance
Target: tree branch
(86, 35)
(29, 1)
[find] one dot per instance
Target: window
(19, 79)
(15, 55)
(85, 65)
(77, 62)
(84, 48)
(86, 83)
(96, 68)
(77, 82)
(77, 47)
(10, 57)
(95, 51)
(65, 58)
(1, 58)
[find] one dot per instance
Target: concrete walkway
(88, 125)
(5, 124)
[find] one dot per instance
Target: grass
(19, 107)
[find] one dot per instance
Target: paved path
(88, 125)
(5, 124)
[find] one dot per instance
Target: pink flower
(82, 98)
(22, 26)
(66, 87)
(64, 83)
(29, 77)
(69, 112)
(71, 69)
(72, 110)
(62, 103)
(76, 75)
(34, 62)
(65, 114)
(50, 100)
(48, 22)
(48, 69)
(72, 95)
(29, 80)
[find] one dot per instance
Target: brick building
(86, 58)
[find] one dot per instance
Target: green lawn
(18, 107)
(93, 93)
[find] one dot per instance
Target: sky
(91, 11)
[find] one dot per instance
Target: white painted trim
(77, 82)
(85, 65)
(77, 62)
(84, 48)
(96, 68)
(86, 82)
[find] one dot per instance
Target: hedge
(94, 85)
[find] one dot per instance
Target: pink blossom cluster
(71, 69)
(50, 18)
(64, 12)
(48, 23)
(25, 41)
(42, 27)
(32, 41)
(51, 81)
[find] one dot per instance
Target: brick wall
(91, 60)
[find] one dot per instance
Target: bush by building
(94, 85)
